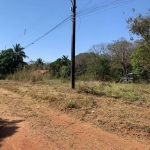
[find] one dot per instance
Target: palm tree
(39, 63)
(19, 51)
(19, 54)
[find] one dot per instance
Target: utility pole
(73, 9)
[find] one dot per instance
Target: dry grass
(120, 108)
(29, 75)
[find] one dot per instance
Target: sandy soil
(27, 125)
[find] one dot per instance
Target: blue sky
(25, 21)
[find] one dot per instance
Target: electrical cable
(86, 4)
(58, 25)
(39, 20)
(82, 13)
(100, 7)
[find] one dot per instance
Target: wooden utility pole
(73, 9)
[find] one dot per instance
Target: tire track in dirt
(53, 130)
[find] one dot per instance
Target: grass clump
(89, 90)
(71, 104)
(146, 128)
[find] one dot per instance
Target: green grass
(132, 92)
(71, 104)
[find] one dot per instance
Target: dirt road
(27, 125)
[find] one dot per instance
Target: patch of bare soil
(27, 123)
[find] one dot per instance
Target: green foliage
(140, 26)
(81, 63)
(141, 61)
(7, 62)
(38, 64)
(141, 57)
(11, 59)
(65, 71)
(71, 104)
(98, 66)
(120, 52)
(60, 67)
(55, 67)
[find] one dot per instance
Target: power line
(54, 28)
(39, 20)
(99, 7)
(83, 13)
(86, 4)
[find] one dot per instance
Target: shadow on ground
(7, 128)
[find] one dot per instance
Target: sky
(24, 21)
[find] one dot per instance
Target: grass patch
(131, 92)
(71, 104)
(89, 90)
(146, 128)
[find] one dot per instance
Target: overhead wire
(38, 20)
(82, 13)
(86, 4)
(58, 25)
(92, 6)
(99, 7)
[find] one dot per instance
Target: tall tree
(10, 59)
(98, 66)
(81, 63)
(7, 62)
(99, 49)
(120, 52)
(140, 26)
(141, 60)
(19, 54)
(98, 61)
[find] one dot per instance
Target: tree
(7, 62)
(65, 61)
(81, 63)
(60, 67)
(98, 66)
(98, 61)
(99, 49)
(39, 63)
(11, 59)
(65, 71)
(19, 54)
(140, 26)
(141, 60)
(120, 52)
